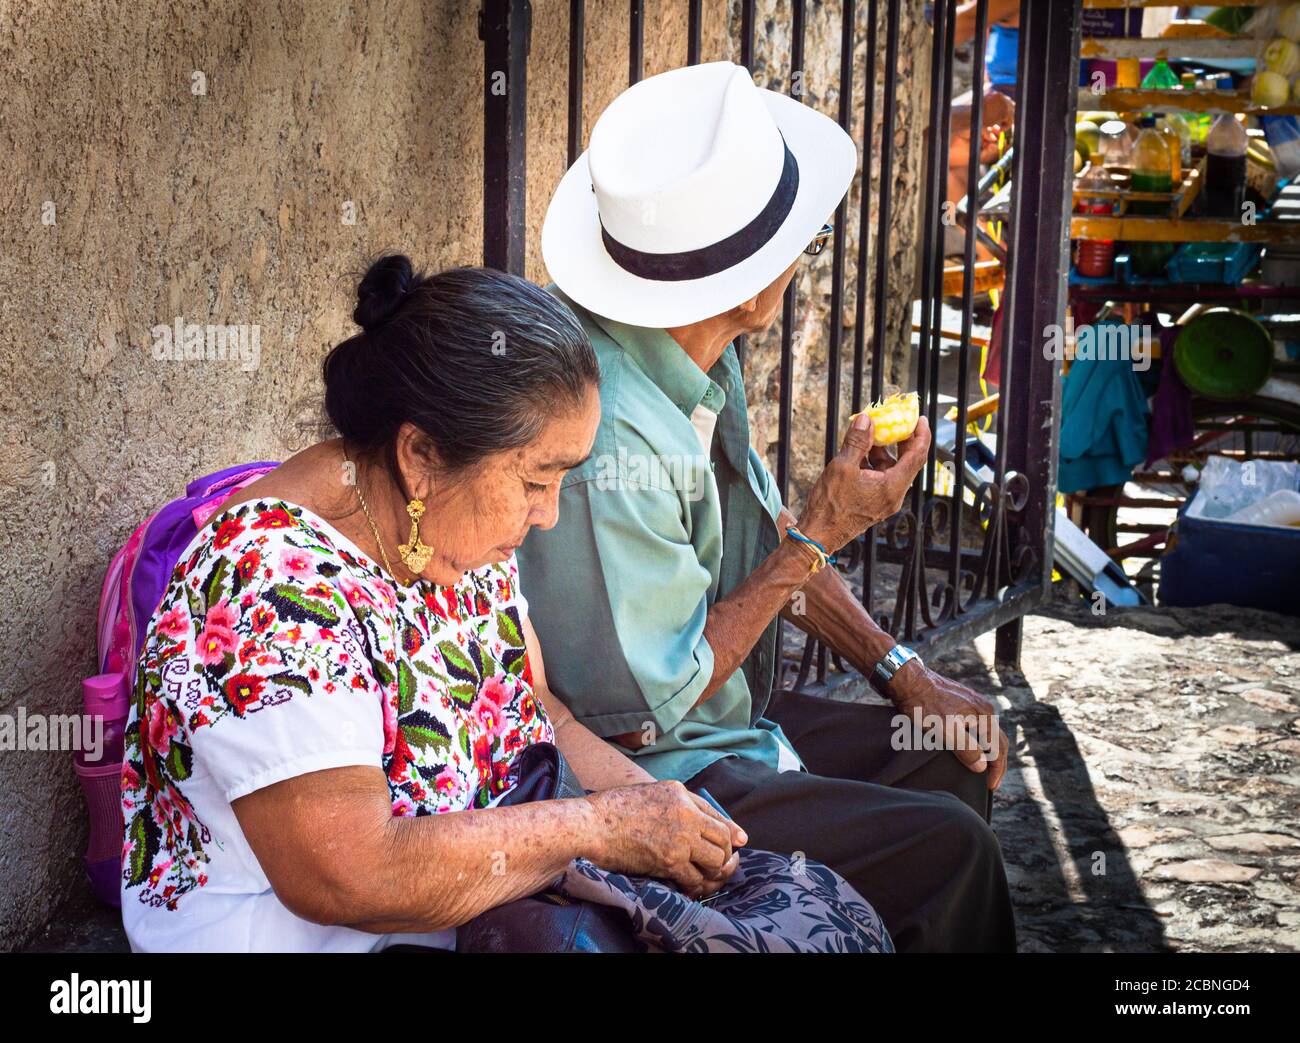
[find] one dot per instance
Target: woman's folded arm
(335, 854)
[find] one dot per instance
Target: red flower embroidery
(261, 618)
(276, 518)
(247, 565)
(230, 529)
(243, 690)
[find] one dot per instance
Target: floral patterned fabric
(772, 903)
(279, 649)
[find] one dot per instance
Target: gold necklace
(379, 540)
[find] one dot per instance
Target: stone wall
(236, 166)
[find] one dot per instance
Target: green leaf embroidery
(217, 577)
(405, 687)
(508, 630)
(180, 761)
(292, 603)
(428, 671)
(458, 663)
(144, 846)
(425, 731)
(292, 681)
(463, 693)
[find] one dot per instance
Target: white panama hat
(697, 190)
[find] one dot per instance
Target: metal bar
(747, 34)
(840, 244)
(864, 214)
(577, 45)
(784, 428)
(505, 27)
(936, 149)
(967, 297)
(747, 60)
(693, 20)
(635, 42)
(1029, 421)
(881, 298)
(935, 325)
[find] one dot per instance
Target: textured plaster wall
(234, 164)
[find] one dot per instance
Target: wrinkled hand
(862, 485)
(967, 718)
(662, 829)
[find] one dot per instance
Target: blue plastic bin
(1218, 562)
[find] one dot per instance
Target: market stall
(1181, 394)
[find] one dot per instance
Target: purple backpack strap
(169, 533)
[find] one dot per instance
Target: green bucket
(1224, 354)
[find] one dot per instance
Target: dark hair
(475, 358)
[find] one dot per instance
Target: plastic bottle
(1128, 74)
(1225, 168)
(104, 696)
(1096, 257)
(1197, 123)
(1160, 78)
(1178, 124)
(1152, 172)
(1175, 146)
(1280, 507)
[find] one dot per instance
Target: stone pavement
(1153, 797)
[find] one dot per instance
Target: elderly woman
(343, 654)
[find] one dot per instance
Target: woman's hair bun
(383, 289)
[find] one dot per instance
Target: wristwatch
(890, 663)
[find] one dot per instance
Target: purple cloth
(1171, 410)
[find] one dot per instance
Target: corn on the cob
(894, 418)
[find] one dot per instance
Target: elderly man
(656, 595)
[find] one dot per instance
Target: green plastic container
(1224, 354)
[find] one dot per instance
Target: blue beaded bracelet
(795, 534)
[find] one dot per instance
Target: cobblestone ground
(1152, 801)
(1153, 797)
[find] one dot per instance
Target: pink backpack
(136, 580)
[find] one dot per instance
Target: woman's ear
(418, 461)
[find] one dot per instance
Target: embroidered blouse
(280, 649)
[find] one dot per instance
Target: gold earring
(414, 553)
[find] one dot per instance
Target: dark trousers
(908, 829)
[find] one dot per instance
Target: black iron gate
(945, 569)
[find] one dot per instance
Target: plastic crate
(1219, 562)
(1224, 263)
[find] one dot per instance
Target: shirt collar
(664, 361)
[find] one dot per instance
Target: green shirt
(620, 587)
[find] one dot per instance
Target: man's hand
(862, 485)
(967, 718)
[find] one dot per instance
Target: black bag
(546, 922)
